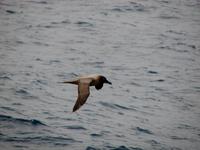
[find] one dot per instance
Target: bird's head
(101, 81)
(104, 80)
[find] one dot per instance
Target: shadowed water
(148, 49)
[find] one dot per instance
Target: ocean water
(148, 49)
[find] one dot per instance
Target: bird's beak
(108, 82)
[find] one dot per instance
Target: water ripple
(38, 2)
(11, 11)
(5, 76)
(91, 148)
(152, 72)
(115, 106)
(132, 7)
(122, 147)
(24, 93)
(84, 24)
(62, 141)
(96, 135)
(75, 127)
(142, 130)
(33, 122)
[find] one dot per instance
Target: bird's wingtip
(75, 108)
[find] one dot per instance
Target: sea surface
(148, 49)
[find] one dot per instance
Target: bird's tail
(70, 82)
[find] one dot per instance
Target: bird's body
(84, 83)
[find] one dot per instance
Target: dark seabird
(84, 82)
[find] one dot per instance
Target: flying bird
(84, 83)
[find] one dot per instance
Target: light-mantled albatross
(84, 83)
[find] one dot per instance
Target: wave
(142, 130)
(75, 127)
(116, 106)
(55, 140)
(5, 76)
(21, 120)
(152, 72)
(24, 93)
(122, 147)
(131, 7)
(84, 24)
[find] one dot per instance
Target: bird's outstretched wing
(83, 93)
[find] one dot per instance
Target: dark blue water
(148, 49)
